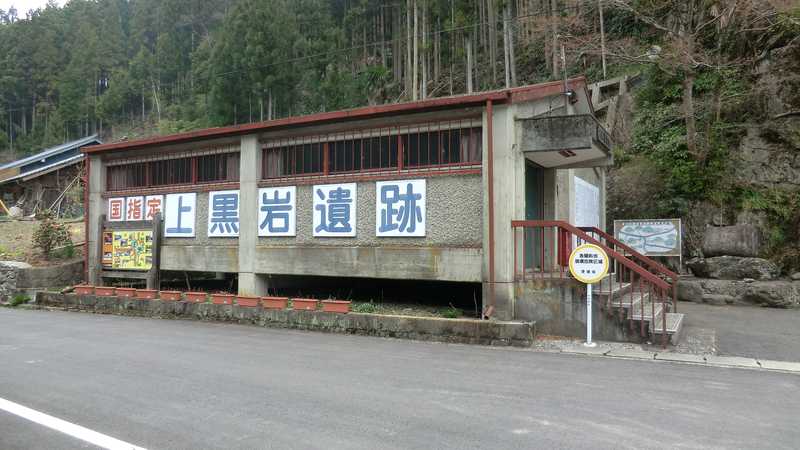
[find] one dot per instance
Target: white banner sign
(116, 209)
(223, 214)
(277, 214)
(179, 215)
(400, 208)
(134, 208)
(153, 204)
(334, 210)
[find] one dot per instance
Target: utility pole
(602, 37)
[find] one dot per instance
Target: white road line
(76, 431)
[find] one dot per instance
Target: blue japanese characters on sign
(276, 211)
(223, 214)
(179, 215)
(400, 208)
(334, 210)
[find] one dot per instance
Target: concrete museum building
(471, 188)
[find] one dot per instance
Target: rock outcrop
(773, 293)
(736, 240)
(734, 268)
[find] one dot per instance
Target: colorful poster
(128, 250)
(400, 208)
(108, 248)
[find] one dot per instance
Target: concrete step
(601, 290)
(628, 300)
(674, 327)
(651, 311)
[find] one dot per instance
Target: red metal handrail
(651, 263)
(618, 257)
(629, 271)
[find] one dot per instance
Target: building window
(218, 168)
(445, 147)
(214, 168)
(378, 150)
(363, 154)
(170, 171)
(127, 176)
(291, 160)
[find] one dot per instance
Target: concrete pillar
(97, 207)
(250, 283)
(508, 204)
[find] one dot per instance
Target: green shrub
(50, 234)
(19, 299)
(450, 312)
(67, 252)
(366, 308)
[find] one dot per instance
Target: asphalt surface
(751, 331)
(164, 384)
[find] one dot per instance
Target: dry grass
(16, 241)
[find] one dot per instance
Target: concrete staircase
(636, 307)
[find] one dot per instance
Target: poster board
(657, 237)
(128, 250)
(587, 204)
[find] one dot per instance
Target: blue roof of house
(50, 159)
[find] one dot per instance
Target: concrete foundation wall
(420, 263)
(465, 331)
(559, 308)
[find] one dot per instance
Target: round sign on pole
(588, 263)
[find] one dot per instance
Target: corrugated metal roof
(89, 140)
(45, 169)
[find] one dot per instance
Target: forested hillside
(717, 77)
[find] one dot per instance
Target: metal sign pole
(588, 264)
(589, 342)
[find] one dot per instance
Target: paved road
(752, 331)
(191, 385)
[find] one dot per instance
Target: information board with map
(128, 250)
(660, 237)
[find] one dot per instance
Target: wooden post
(99, 261)
(154, 274)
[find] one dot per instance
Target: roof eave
(506, 95)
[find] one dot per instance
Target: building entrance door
(534, 206)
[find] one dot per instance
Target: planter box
(196, 297)
(84, 289)
(274, 302)
(105, 291)
(146, 294)
(126, 292)
(170, 296)
(250, 302)
(336, 306)
(304, 304)
(222, 299)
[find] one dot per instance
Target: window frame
(399, 160)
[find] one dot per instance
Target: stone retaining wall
(464, 331)
(18, 276)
